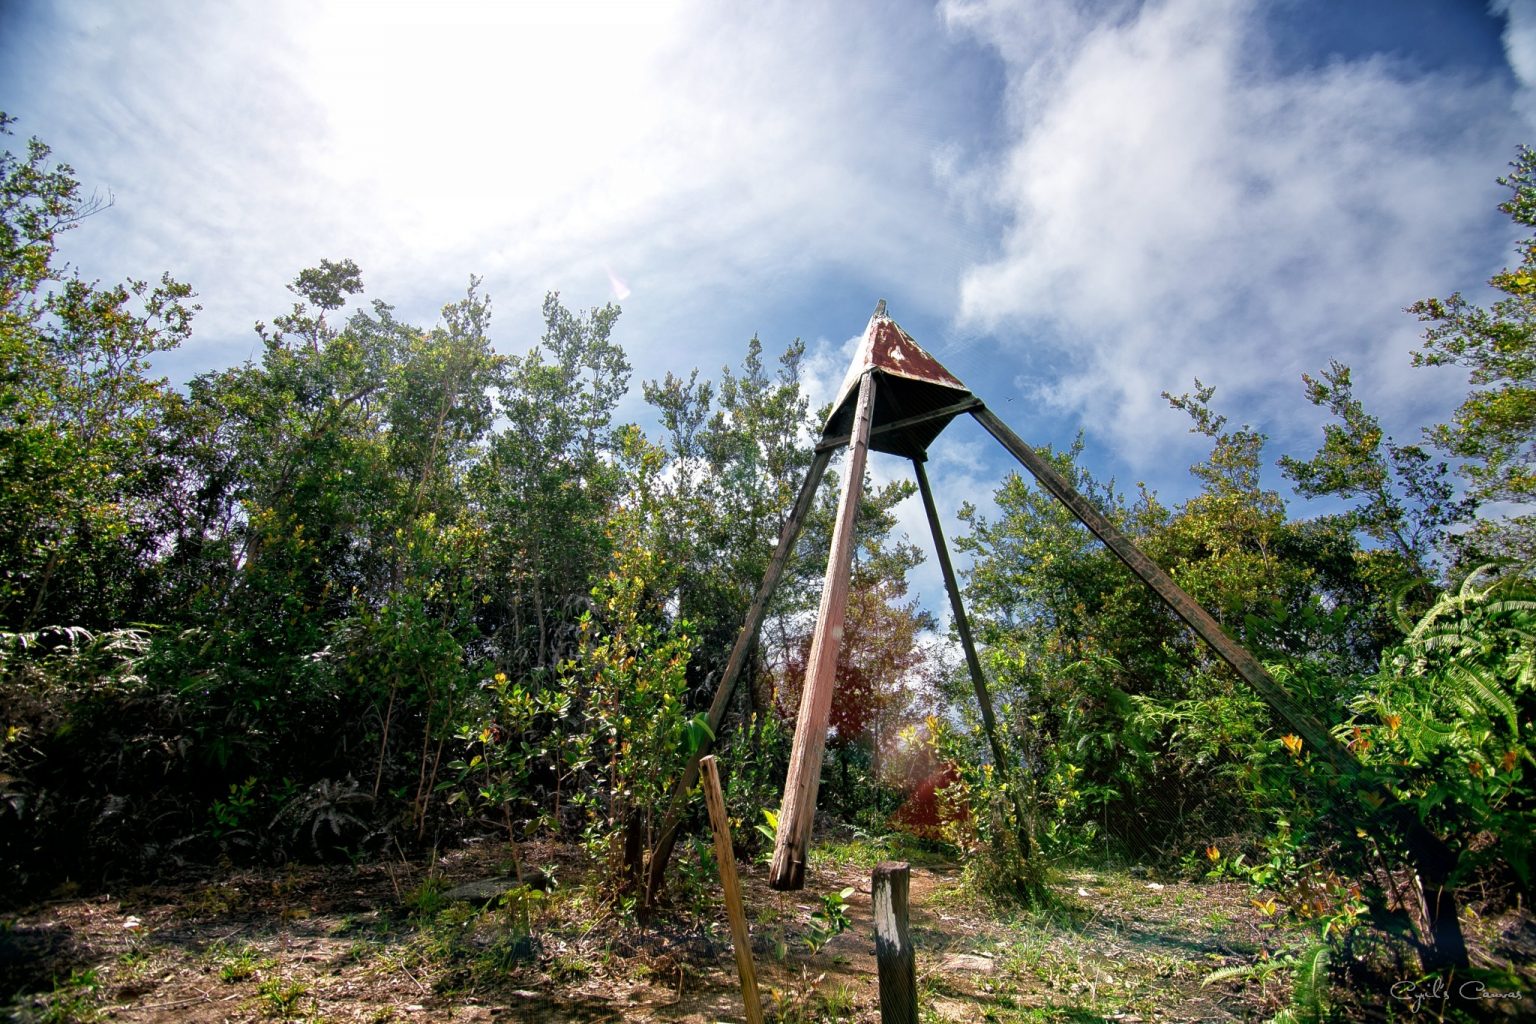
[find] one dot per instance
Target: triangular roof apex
(888, 348)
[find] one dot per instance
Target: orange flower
(1476, 768)
(1393, 721)
(1508, 763)
(1359, 744)
(1212, 854)
(1292, 743)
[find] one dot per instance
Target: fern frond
(76, 635)
(1237, 972)
(1480, 692)
(1469, 585)
(1310, 990)
(1449, 604)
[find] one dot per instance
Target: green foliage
(241, 964)
(327, 816)
(547, 483)
(737, 457)
(1307, 968)
(1447, 724)
(629, 679)
(63, 691)
(1120, 744)
(74, 1000)
(1402, 499)
(829, 920)
(977, 810)
(232, 812)
(281, 998)
(805, 1000)
(1492, 431)
(760, 761)
(1443, 725)
(78, 500)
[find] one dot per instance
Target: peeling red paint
(891, 349)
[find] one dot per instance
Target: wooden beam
(667, 834)
(970, 403)
(725, 858)
(973, 663)
(799, 807)
(1184, 606)
(1433, 859)
(894, 959)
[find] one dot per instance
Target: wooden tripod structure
(896, 398)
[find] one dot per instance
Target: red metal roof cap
(888, 348)
(913, 383)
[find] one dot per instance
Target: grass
(74, 1000)
(242, 964)
(1117, 948)
(810, 1001)
(280, 997)
(862, 849)
(133, 963)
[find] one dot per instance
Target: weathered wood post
(1023, 835)
(893, 945)
(672, 820)
(799, 808)
(725, 856)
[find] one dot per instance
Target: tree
(1493, 431)
(1404, 502)
(1125, 726)
(78, 410)
(318, 539)
(547, 483)
(735, 468)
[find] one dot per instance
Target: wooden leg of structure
(725, 856)
(978, 680)
(799, 808)
(1433, 859)
(667, 834)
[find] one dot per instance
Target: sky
(1073, 205)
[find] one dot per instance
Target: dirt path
(375, 944)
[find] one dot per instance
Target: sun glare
(515, 103)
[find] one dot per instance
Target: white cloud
(1177, 205)
(1520, 51)
(701, 158)
(1129, 194)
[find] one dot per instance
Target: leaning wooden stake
(714, 799)
(734, 666)
(893, 946)
(799, 807)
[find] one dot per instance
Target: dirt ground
(384, 943)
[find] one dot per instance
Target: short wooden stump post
(893, 946)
